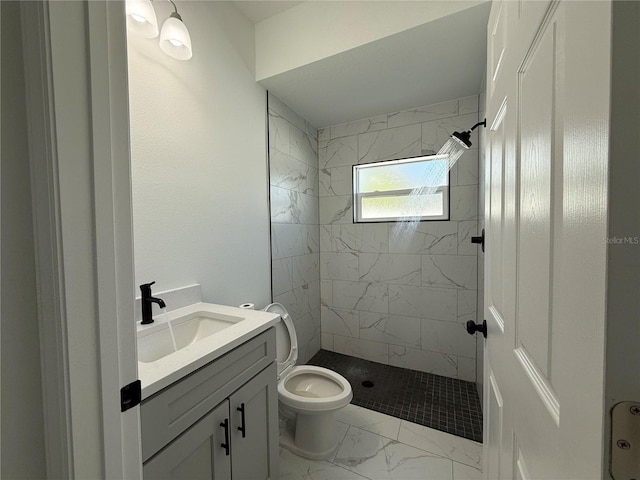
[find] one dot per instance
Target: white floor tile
(373, 446)
(341, 431)
(369, 420)
(440, 443)
(377, 457)
(464, 472)
(293, 467)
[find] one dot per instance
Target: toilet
(308, 396)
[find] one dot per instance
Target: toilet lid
(286, 339)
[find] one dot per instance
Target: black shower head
(464, 138)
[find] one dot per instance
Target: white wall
(623, 305)
(291, 39)
(22, 448)
(198, 156)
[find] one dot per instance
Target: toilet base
(315, 436)
(287, 442)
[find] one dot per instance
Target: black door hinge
(130, 395)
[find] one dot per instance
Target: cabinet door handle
(242, 428)
(225, 445)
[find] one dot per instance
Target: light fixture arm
(175, 13)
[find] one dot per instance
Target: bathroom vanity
(218, 417)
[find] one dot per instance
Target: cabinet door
(254, 414)
(197, 453)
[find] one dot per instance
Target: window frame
(357, 196)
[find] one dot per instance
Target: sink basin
(202, 332)
(164, 338)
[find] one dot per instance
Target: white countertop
(161, 373)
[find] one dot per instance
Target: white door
(546, 208)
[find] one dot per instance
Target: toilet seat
(287, 355)
(286, 340)
(329, 397)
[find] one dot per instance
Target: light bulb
(141, 18)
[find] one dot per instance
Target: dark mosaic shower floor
(443, 403)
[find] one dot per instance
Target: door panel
(496, 216)
(497, 42)
(536, 101)
(520, 467)
(494, 416)
(528, 10)
(547, 150)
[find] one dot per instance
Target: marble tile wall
(400, 298)
(295, 236)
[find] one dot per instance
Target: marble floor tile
(440, 443)
(341, 432)
(465, 472)
(377, 457)
(365, 455)
(369, 420)
(293, 467)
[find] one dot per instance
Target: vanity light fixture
(175, 40)
(141, 18)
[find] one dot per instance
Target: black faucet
(146, 301)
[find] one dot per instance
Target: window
(402, 190)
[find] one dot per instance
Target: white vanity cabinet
(195, 454)
(220, 422)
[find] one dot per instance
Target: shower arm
(483, 123)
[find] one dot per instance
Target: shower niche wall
(359, 289)
(401, 300)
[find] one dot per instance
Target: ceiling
(256, 11)
(438, 61)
